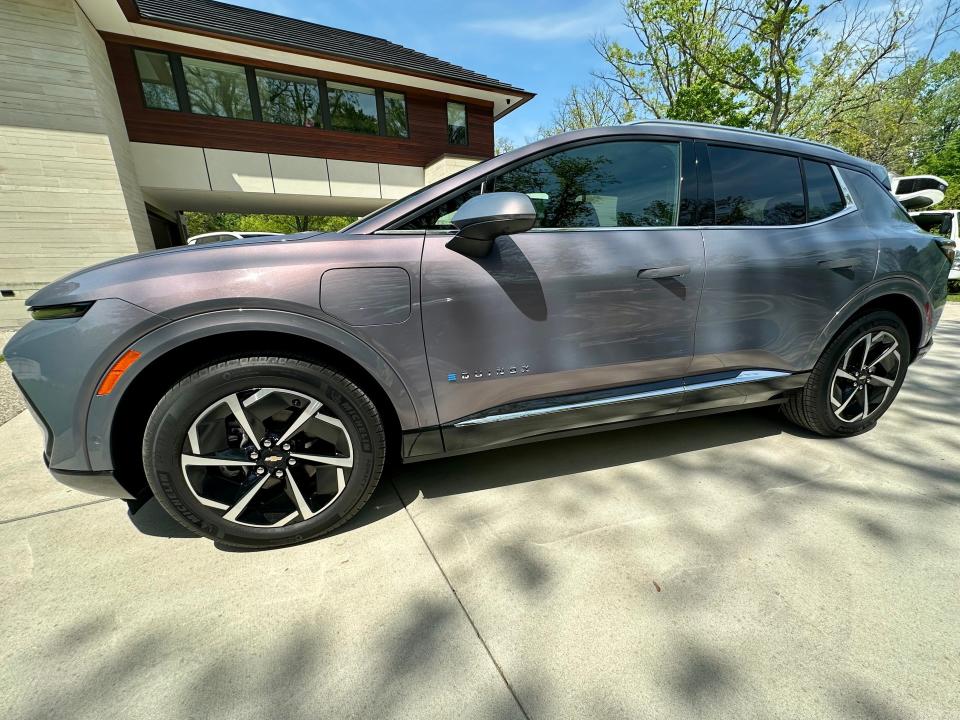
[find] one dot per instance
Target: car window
(752, 187)
(823, 194)
(611, 184)
(438, 216)
(936, 223)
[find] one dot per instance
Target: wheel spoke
(234, 512)
(877, 380)
(304, 509)
(841, 373)
(868, 340)
(343, 462)
(885, 354)
(309, 412)
(843, 406)
(233, 402)
(866, 403)
(218, 460)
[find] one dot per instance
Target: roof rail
(760, 133)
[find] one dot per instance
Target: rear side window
(823, 193)
(751, 187)
(611, 184)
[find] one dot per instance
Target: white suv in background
(224, 236)
(947, 224)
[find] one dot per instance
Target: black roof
(243, 23)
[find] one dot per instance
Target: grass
(955, 297)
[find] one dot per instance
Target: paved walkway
(718, 567)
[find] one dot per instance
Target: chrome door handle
(839, 264)
(662, 273)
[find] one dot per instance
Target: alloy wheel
(867, 373)
(267, 457)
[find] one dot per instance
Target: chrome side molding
(744, 376)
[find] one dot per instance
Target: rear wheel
(264, 451)
(856, 378)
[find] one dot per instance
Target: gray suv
(600, 279)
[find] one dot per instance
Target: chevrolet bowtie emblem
(273, 459)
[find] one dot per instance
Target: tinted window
(612, 184)
(353, 108)
(288, 99)
(823, 193)
(438, 218)
(756, 188)
(217, 88)
(456, 123)
(395, 110)
(156, 79)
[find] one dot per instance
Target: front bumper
(95, 483)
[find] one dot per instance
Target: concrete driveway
(731, 566)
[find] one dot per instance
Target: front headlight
(60, 312)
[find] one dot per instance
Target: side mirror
(482, 219)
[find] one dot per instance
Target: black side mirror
(482, 219)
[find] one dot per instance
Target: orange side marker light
(116, 372)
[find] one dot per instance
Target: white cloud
(582, 23)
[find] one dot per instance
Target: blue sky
(539, 45)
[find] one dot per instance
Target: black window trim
(321, 89)
(183, 98)
(849, 203)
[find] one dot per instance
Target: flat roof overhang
(122, 18)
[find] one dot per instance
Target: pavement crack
(463, 608)
(57, 510)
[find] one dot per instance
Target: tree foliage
(200, 222)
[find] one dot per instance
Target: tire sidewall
(177, 410)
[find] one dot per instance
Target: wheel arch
(174, 350)
(904, 297)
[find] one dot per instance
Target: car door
(785, 250)
(587, 318)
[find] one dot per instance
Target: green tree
(199, 222)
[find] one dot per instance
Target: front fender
(157, 343)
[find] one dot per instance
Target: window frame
(686, 144)
(258, 111)
(256, 108)
(466, 124)
(707, 198)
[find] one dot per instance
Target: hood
(144, 277)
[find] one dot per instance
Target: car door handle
(846, 263)
(661, 273)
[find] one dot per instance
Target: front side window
(395, 110)
(156, 79)
(288, 99)
(216, 88)
(611, 184)
(456, 123)
(751, 187)
(438, 217)
(353, 108)
(823, 194)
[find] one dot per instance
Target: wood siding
(426, 118)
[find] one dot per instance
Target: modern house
(115, 115)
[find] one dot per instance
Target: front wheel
(856, 378)
(264, 451)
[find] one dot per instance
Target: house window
(456, 123)
(288, 99)
(353, 108)
(395, 111)
(156, 79)
(216, 88)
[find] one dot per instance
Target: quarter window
(288, 99)
(353, 108)
(156, 79)
(752, 187)
(823, 194)
(395, 111)
(612, 184)
(438, 217)
(216, 88)
(456, 123)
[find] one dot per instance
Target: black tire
(165, 438)
(811, 407)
